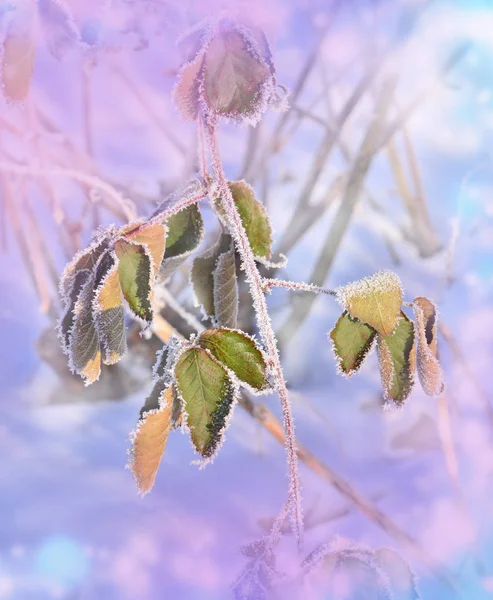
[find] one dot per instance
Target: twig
(263, 320)
(296, 286)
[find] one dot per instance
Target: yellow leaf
(374, 300)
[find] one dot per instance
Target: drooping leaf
(238, 352)
(352, 342)
(151, 435)
(254, 218)
(19, 54)
(152, 235)
(401, 578)
(226, 295)
(202, 274)
(374, 300)
(84, 348)
(208, 396)
(59, 29)
(86, 259)
(234, 75)
(429, 370)
(185, 233)
(108, 309)
(74, 285)
(135, 270)
(397, 356)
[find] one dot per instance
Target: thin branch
(296, 286)
(263, 320)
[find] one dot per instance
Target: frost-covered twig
(296, 286)
(263, 320)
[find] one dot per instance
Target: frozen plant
(228, 75)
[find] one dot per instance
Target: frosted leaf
(186, 93)
(84, 260)
(19, 53)
(60, 32)
(254, 218)
(208, 395)
(152, 235)
(84, 348)
(402, 579)
(239, 353)
(233, 74)
(201, 274)
(397, 357)
(374, 300)
(429, 370)
(136, 276)
(108, 310)
(228, 72)
(226, 295)
(150, 437)
(352, 342)
(73, 286)
(185, 234)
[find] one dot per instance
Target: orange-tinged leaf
(150, 437)
(153, 236)
(19, 53)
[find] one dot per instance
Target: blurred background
(382, 161)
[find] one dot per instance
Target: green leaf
(374, 300)
(152, 235)
(135, 270)
(226, 295)
(202, 273)
(73, 286)
(237, 352)
(84, 348)
(208, 396)
(429, 370)
(352, 342)
(234, 76)
(151, 435)
(185, 233)
(254, 218)
(109, 313)
(397, 356)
